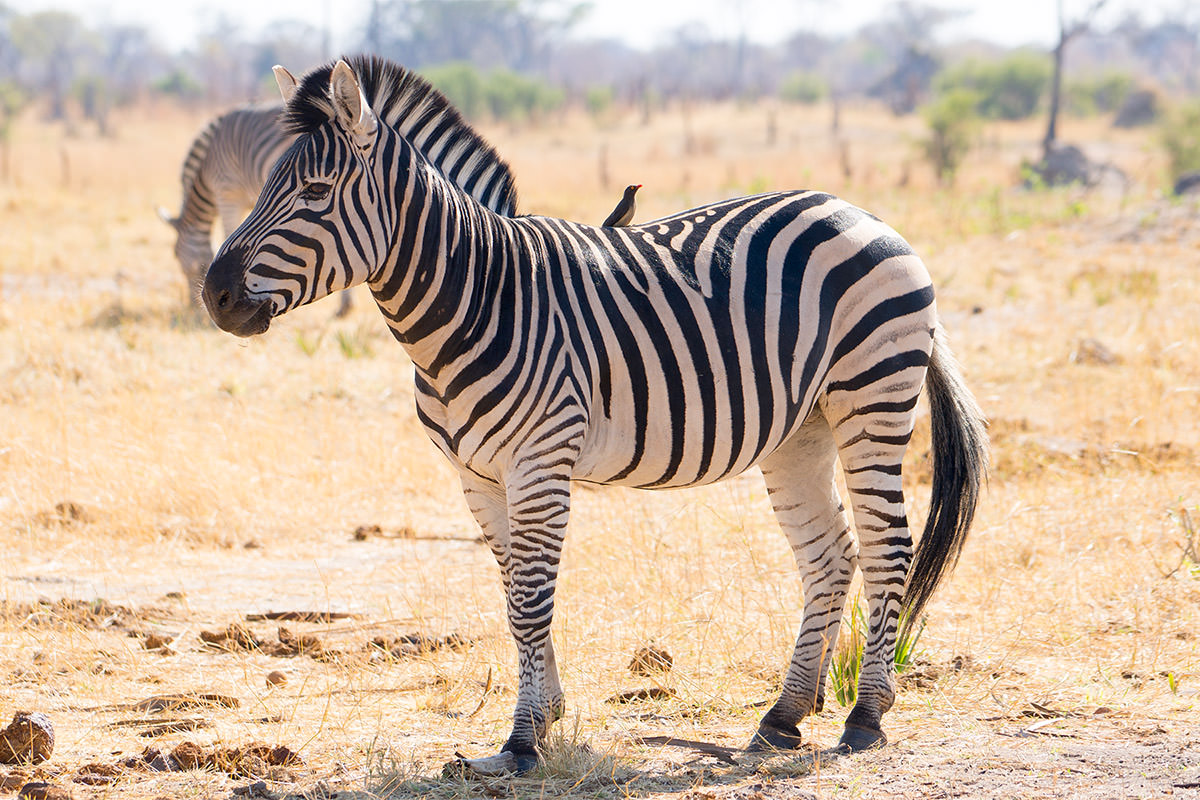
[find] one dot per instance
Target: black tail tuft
(960, 456)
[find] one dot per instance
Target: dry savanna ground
(167, 491)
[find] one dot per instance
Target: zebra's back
(245, 144)
(704, 339)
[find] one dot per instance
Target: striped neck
(448, 263)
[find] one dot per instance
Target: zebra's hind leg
(800, 480)
(872, 432)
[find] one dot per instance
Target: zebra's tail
(959, 450)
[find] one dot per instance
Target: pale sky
(642, 23)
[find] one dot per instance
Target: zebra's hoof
(501, 764)
(855, 739)
(774, 737)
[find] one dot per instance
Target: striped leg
(800, 480)
(525, 530)
(872, 434)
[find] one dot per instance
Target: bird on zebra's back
(790, 331)
(622, 215)
(223, 173)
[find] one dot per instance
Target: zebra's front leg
(800, 480)
(525, 527)
(538, 508)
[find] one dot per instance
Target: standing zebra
(786, 330)
(224, 171)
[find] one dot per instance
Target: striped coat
(788, 331)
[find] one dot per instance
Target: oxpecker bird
(623, 213)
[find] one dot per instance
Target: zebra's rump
(708, 340)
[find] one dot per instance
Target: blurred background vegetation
(522, 60)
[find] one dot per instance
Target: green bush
(502, 94)
(1180, 134)
(952, 129)
(1099, 95)
(802, 87)
(184, 86)
(598, 99)
(1010, 88)
(514, 96)
(461, 83)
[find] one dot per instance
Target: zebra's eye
(315, 190)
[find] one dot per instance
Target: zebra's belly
(668, 446)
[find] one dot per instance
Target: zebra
(786, 330)
(223, 173)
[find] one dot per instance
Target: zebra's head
(315, 228)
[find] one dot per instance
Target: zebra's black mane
(405, 101)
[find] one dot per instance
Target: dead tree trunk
(1066, 32)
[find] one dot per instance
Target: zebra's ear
(350, 104)
(166, 217)
(287, 82)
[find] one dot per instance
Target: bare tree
(1066, 32)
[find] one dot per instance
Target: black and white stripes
(223, 173)
(788, 330)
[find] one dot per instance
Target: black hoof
(526, 762)
(855, 739)
(774, 737)
(505, 763)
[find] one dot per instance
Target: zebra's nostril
(223, 300)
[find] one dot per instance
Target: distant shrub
(502, 94)
(802, 87)
(1140, 107)
(598, 99)
(514, 96)
(953, 125)
(1180, 136)
(1009, 89)
(182, 85)
(1103, 94)
(461, 83)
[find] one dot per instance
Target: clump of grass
(309, 344)
(567, 765)
(846, 665)
(356, 343)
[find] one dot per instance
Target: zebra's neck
(449, 265)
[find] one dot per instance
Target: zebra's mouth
(257, 322)
(228, 301)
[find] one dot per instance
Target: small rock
(1094, 351)
(154, 641)
(276, 678)
(1188, 183)
(634, 695)
(188, 755)
(364, 532)
(258, 789)
(234, 637)
(12, 782)
(38, 790)
(28, 739)
(97, 774)
(298, 644)
(649, 660)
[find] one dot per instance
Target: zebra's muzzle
(228, 302)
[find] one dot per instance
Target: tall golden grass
(233, 473)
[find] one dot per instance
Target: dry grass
(211, 478)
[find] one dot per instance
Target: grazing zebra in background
(224, 171)
(786, 330)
